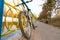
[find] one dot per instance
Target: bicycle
(28, 24)
(24, 18)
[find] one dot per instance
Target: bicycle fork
(30, 21)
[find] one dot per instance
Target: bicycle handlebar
(25, 2)
(29, 1)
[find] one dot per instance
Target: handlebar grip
(29, 1)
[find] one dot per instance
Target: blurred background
(51, 13)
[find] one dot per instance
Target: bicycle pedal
(35, 27)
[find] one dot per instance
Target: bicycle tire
(27, 36)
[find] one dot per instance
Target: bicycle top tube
(25, 4)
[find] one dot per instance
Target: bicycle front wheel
(25, 26)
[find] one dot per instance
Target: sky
(35, 5)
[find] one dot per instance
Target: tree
(47, 8)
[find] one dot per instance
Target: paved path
(42, 32)
(45, 32)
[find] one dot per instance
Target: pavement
(42, 32)
(45, 32)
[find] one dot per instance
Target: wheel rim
(27, 30)
(25, 25)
